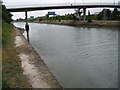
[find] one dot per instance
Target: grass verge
(12, 73)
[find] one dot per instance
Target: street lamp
(74, 2)
(114, 2)
(83, 2)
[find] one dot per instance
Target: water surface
(79, 57)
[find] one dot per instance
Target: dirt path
(34, 68)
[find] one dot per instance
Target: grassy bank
(94, 23)
(12, 73)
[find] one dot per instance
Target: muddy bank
(94, 23)
(34, 67)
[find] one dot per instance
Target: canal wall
(33, 66)
(83, 23)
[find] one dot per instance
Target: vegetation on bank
(89, 19)
(6, 16)
(107, 14)
(12, 72)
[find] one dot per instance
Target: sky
(23, 3)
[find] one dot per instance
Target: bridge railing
(60, 4)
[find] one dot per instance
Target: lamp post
(74, 2)
(114, 2)
(83, 2)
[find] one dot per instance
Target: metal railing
(22, 5)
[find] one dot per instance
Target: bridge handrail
(62, 4)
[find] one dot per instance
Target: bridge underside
(60, 7)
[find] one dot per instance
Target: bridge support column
(84, 13)
(26, 25)
(78, 14)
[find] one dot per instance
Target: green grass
(12, 72)
(7, 32)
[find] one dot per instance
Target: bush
(107, 14)
(6, 16)
(89, 19)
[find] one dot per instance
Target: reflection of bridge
(70, 6)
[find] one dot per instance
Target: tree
(47, 15)
(105, 14)
(100, 16)
(89, 19)
(6, 16)
(116, 14)
(108, 14)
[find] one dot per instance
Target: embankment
(34, 67)
(83, 23)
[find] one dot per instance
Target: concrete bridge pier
(84, 13)
(78, 14)
(27, 25)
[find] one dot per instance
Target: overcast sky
(22, 3)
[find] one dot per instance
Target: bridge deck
(60, 7)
